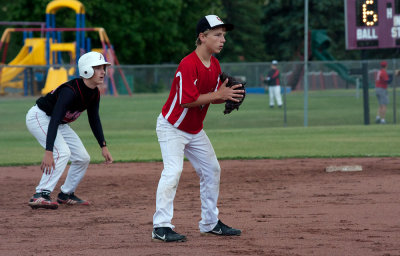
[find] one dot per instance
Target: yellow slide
(58, 76)
(55, 77)
(35, 57)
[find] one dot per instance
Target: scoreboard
(372, 24)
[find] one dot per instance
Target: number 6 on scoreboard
(367, 12)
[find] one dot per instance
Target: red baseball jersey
(382, 79)
(192, 78)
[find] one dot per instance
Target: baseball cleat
(223, 230)
(166, 234)
(42, 200)
(70, 199)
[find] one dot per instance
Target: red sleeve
(384, 76)
(185, 81)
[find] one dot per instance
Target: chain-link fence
(322, 75)
(328, 81)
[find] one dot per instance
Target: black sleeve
(269, 77)
(95, 123)
(65, 97)
(390, 78)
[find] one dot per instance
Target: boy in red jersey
(381, 85)
(180, 132)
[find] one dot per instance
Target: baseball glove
(231, 105)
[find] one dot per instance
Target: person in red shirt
(381, 84)
(180, 132)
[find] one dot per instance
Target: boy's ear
(202, 35)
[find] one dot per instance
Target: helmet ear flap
(86, 72)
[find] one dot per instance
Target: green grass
(335, 129)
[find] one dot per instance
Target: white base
(344, 168)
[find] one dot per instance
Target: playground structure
(47, 51)
(319, 43)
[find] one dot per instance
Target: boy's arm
(224, 93)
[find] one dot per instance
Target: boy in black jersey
(274, 86)
(48, 122)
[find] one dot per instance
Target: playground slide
(36, 56)
(55, 77)
(320, 44)
(339, 68)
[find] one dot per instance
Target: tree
(283, 28)
(141, 31)
(163, 31)
(245, 42)
(192, 12)
(12, 11)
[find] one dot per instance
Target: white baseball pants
(275, 93)
(175, 144)
(67, 146)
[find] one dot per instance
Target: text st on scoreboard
(372, 24)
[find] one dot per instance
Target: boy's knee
(85, 158)
(171, 176)
(65, 153)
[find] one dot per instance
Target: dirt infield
(284, 207)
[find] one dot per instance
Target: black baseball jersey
(273, 77)
(66, 103)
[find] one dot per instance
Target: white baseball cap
(274, 62)
(211, 22)
(89, 60)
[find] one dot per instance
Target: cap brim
(228, 27)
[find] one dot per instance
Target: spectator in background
(381, 84)
(274, 87)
